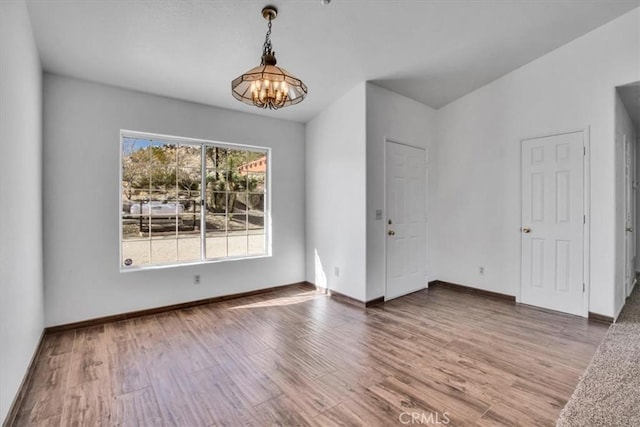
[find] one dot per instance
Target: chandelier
(267, 85)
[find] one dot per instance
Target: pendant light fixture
(267, 85)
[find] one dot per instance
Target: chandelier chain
(266, 48)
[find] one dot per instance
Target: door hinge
(584, 219)
(584, 150)
(583, 287)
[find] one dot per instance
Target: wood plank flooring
(297, 357)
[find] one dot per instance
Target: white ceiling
(432, 51)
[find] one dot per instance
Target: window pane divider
(203, 202)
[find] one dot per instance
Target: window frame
(124, 133)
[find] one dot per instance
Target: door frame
(386, 141)
(629, 155)
(586, 209)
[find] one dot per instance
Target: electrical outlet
(196, 279)
(481, 271)
(336, 271)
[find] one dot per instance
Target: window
(188, 201)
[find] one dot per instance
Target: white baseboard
(635, 282)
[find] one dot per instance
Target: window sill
(191, 264)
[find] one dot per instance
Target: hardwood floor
(297, 357)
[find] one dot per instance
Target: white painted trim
(387, 140)
(633, 286)
(427, 218)
(586, 201)
(616, 315)
(521, 168)
(386, 214)
(519, 291)
(587, 226)
(625, 138)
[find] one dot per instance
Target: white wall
(478, 190)
(403, 120)
(623, 127)
(21, 293)
(82, 121)
(336, 196)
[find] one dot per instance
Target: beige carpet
(608, 393)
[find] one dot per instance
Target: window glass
(186, 202)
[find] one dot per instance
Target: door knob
(526, 230)
(391, 233)
(629, 229)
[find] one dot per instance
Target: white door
(553, 222)
(406, 188)
(630, 246)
